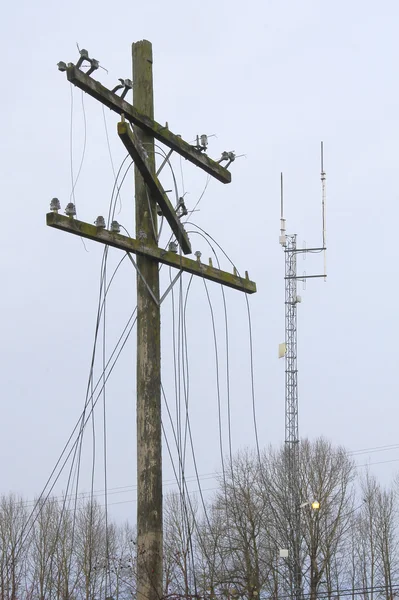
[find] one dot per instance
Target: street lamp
(315, 504)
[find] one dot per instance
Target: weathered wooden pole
(149, 437)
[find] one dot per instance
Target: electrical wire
(78, 444)
(75, 181)
(250, 338)
(179, 391)
(186, 362)
(111, 212)
(179, 367)
(191, 441)
(93, 390)
(358, 452)
(98, 395)
(373, 449)
(196, 491)
(200, 490)
(100, 310)
(110, 156)
(181, 173)
(236, 513)
(178, 410)
(217, 382)
(190, 212)
(111, 215)
(39, 503)
(198, 483)
(185, 375)
(224, 479)
(161, 152)
(105, 431)
(71, 147)
(127, 489)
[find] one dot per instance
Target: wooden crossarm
(133, 146)
(120, 106)
(128, 244)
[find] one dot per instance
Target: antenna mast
(323, 206)
(289, 351)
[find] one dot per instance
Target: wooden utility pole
(137, 131)
(149, 434)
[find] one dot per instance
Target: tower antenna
(323, 206)
(282, 220)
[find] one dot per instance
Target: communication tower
(289, 350)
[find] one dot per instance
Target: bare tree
(180, 514)
(42, 570)
(89, 549)
(13, 546)
(366, 533)
(376, 531)
(210, 567)
(230, 548)
(327, 475)
(241, 533)
(386, 540)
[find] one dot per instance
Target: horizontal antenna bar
(306, 250)
(304, 276)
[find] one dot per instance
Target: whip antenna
(323, 207)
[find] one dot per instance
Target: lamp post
(295, 558)
(315, 505)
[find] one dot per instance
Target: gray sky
(270, 79)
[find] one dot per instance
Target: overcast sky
(270, 79)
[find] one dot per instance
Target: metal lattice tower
(292, 457)
(291, 414)
(293, 498)
(291, 367)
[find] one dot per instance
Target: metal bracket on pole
(144, 281)
(170, 287)
(164, 295)
(166, 159)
